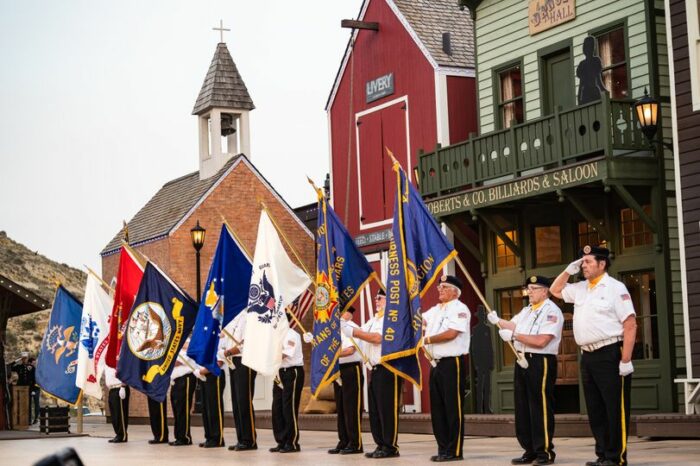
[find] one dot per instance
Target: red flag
(128, 280)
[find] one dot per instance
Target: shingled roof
(431, 18)
(223, 86)
(169, 205)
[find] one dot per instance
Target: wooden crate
(20, 407)
(54, 419)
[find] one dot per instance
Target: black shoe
(179, 443)
(445, 458)
(116, 440)
(385, 454)
(350, 451)
(370, 454)
(523, 460)
(595, 463)
(275, 449)
(156, 442)
(540, 461)
(241, 447)
(289, 449)
(334, 451)
(608, 463)
(209, 444)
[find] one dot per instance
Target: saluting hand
(574, 267)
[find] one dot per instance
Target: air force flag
(160, 321)
(58, 357)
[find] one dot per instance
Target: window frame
(496, 79)
(618, 24)
(692, 16)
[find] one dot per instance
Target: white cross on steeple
(221, 29)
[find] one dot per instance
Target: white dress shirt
(547, 319)
(453, 315)
(347, 343)
(292, 355)
(111, 379)
(374, 325)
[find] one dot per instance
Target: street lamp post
(198, 233)
(647, 110)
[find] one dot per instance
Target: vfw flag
(58, 357)
(94, 330)
(275, 283)
(160, 321)
(128, 279)
(225, 295)
(417, 253)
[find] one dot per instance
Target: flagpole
(79, 405)
(185, 362)
(522, 362)
(104, 283)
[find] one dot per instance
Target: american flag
(301, 306)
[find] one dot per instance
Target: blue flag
(417, 253)
(225, 295)
(160, 320)
(342, 271)
(58, 356)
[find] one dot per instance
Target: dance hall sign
(546, 14)
(512, 190)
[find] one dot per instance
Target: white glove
(346, 329)
(505, 334)
(626, 368)
(339, 382)
(197, 373)
(122, 393)
(493, 318)
(308, 337)
(574, 267)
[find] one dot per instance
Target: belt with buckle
(599, 344)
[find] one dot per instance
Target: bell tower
(223, 113)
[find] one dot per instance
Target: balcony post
(606, 119)
(439, 167)
(559, 143)
(514, 151)
(471, 156)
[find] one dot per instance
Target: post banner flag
(94, 332)
(58, 356)
(417, 253)
(129, 277)
(161, 319)
(275, 283)
(342, 271)
(227, 285)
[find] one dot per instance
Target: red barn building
(406, 82)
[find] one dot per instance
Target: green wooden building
(551, 171)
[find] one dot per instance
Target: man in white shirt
(183, 382)
(605, 328)
(348, 393)
(446, 339)
(384, 385)
(536, 332)
(285, 399)
(242, 387)
(118, 400)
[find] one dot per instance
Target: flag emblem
(148, 330)
(89, 334)
(326, 298)
(62, 342)
(261, 299)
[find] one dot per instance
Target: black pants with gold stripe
(447, 390)
(242, 393)
(119, 412)
(534, 405)
(348, 402)
(213, 409)
(384, 394)
(158, 414)
(607, 401)
(181, 395)
(285, 407)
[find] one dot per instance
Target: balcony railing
(606, 127)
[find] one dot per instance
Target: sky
(96, 99)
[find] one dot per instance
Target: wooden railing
(606, 127)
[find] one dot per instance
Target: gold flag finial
(125, 229)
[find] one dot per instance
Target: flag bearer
(118, 399)
(182, 385)
(213, 403)
(384, 385)
(158, 414)
(348, 394)
(536, 332)
(605, 328)
(286, 395)
(447, 333)
(242, 387)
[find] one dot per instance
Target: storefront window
(510, 102)
(505, 257)
(611, 49)
(642, 288)
(587, 235)
(547, 245)
(510, 301)
(634, 231)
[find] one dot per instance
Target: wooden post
(79, 406)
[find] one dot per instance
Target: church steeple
(222, 109)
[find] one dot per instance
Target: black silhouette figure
(590, 74)
(482, 359)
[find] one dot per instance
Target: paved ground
(415, 449)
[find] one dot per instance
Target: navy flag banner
(160, 321)
(58, 357)
(417, 253)
(342, 271)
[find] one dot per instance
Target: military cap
(538, 280)
(451, 280)
(381, 292)
(350, 309)
(599, 252)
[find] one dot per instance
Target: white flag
(275, 283)
(94, 329)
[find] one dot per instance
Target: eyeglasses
(379, 297)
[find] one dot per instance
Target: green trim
(542, 55)
(496, 89)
